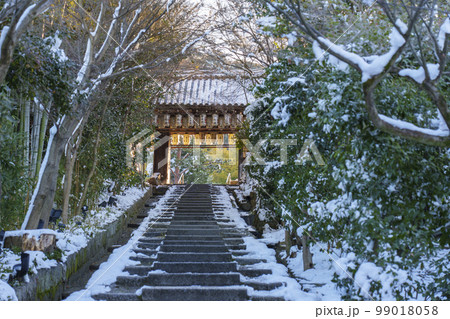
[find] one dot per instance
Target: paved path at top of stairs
(191, 253)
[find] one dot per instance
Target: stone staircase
(191, 252)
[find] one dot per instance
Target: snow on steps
(195, 257)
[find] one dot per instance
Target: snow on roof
(208, 91)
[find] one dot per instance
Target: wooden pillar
(161, 158)
(240, 166)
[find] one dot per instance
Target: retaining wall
(49, 283)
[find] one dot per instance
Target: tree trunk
(94, 162)
(307, 256)
(44, 122)
(26, 132)
(71, 157)
(37, 115)
(44, 193)
(288, 242)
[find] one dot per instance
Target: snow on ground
(313, 284)
(72, 239)
(120, 257)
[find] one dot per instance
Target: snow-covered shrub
(381, 199)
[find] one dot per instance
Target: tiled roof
(209, 91)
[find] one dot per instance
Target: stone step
(194, 237)
(231, 235)
(233, 241)
(200, 279)
(194, 242)
(193, 231)
(194, 257)
(249, 261)
(193, 214)
(132, 281)
(266, 298)
(263, 285)
(193, 222)
(195, 205)
(195, 267)
(147, 246)
(153, 234)
(236, 247)
(194, 218)
(116, 297)
(194, 248)
(254, 272)
(145, 261)
(197, 210)
(180, 226)
(162, 220)
(141, 270)
(234, 293)
(145, 252)
(150, 240)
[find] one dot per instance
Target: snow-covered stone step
(192, 231)
(196, 242)
(193, 279)
(193, 237)
(194, 248)
(193, 217)
(231, 293)
(251, 272)
(193, 222)
(195, 267)
(147, 246)
(146, 252)
(116, 297)
(257, 285)
(194, 257)
(145, 261)
(266, 298)
(196, 226)
(249, 261)
(141, 270)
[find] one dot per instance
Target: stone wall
(49, 283)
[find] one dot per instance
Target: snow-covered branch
(373, 69)
(24, 12)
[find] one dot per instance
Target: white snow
(377, 63)
(405, 125)
(257, 248)
(56, 48)
(433, 70)
(190, 44)
(417, 75)
(2, 37)
(401, 25)
(7, 293)
(267, 21)
(318, 52)
(120, 257)
(86, 62)
(36, 233)
(111, 27)
(444, 31)
(24, 15)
